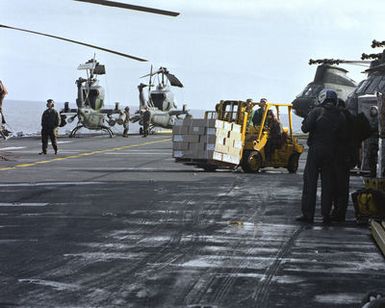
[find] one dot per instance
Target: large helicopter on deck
(160, 100)
(327, 76)
(90, 103)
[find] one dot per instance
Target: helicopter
(90, 101)
(327, 76)
(160, 101)
(362, 100)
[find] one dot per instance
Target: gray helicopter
(90, 103)
(160, 101)
(327, 76)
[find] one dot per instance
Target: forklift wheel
(292, 165)
(251, 162)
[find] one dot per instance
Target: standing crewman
(3, 93)
(50, 122)
(323, 123)
(344, 160)
(146, 121)
(126, 121)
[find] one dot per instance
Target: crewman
(372, 142)
(126, 121)
(258, 114)
(146, 121)
(3, 93)
(323, 124)
(50, 122)
(344, 160)
(275, 134)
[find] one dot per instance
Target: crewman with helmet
(50, 122)
(324, 124)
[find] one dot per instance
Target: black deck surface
(117, 223)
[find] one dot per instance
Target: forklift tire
(251, 162)
(292, 165)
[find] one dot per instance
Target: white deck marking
(22, 204)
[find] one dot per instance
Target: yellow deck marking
(40, 162)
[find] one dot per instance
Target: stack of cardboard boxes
(207, 139)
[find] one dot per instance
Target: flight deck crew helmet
(327, 96)
(49, 102)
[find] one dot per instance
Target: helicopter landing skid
(103, 128)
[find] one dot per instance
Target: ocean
(24, 118)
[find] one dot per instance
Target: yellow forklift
(255, 138)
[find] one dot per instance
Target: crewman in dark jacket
(323, 124)
(50, 122)
(146, 121)
(344, 160)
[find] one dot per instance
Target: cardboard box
(216, 147)
(214, 155)
(213, 123)
(235, 127)
(180, 146)
(180, 130)
(185, 138)
(227, 126)
(182, 154)
(230, 159)
(196, 130)
(234, 135)
(237, 144)
(195, 147)
(216, 132)
(237, 153)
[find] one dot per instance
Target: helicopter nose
(302, 105)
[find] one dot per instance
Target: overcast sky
(219, 49)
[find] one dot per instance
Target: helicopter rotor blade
(75, 42)
(151, 73)
(131, 7)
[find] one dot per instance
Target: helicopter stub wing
(177, 112)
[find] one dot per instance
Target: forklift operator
(258, 114)
(275, 134)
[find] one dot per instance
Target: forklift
(256, 138)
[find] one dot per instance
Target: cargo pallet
(207, 164)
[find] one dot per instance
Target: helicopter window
(311, 90)
(381, 86)
(362, 86)
(373, 86)
(157, 99)
(92, 96)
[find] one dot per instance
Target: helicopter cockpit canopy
(93, 97)
(163, 100)
(311, 90)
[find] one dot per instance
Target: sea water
(24, 118)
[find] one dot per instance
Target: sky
(219, 49)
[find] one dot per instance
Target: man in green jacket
(50, 122)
